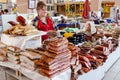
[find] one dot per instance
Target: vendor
(89, 29)
(42, 22)
(94, 17)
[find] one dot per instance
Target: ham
(85, 69)
(55, 65)
(101, 48)
(53, 55)
(58, 42)
(49, 61)
(57, 49)
(2, 58)
(3, 51)
(31, 55)
(85, 59)
(50, 73)
(58, 52)
(25, 59)
(84, 64)
(105, 50)
(13, 48)
(27, 66)
(54, 74)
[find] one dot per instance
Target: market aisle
(114, 72)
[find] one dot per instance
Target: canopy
(86, 10)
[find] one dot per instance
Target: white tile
(114, 72)
(117, 76)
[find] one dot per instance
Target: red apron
(45, 27)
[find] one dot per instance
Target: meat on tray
(57, 49)
(3, 58)
(31, 55)
(54, 73)
(53, 55)
(57, 52)
(14, 49)
(55, 65)
(58, 42)
(50, 61)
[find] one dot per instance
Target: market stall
(79, 55)
(34, 75)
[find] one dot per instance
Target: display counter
(23, 42)
(99, 73)
(34, 75)
(96, 74)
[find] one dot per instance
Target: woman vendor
(42, 22)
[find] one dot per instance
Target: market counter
(99, 73)
(23, 42)
(34, 75)
(96, 74)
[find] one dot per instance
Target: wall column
(117, 3)
(95, 5)
(22, 6)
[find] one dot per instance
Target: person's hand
(52, 33)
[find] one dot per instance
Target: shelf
(33, 75)
(12, 73)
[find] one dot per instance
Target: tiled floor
(114, 72)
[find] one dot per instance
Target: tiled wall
(94, 5)
(22, 6)
(117, 3)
